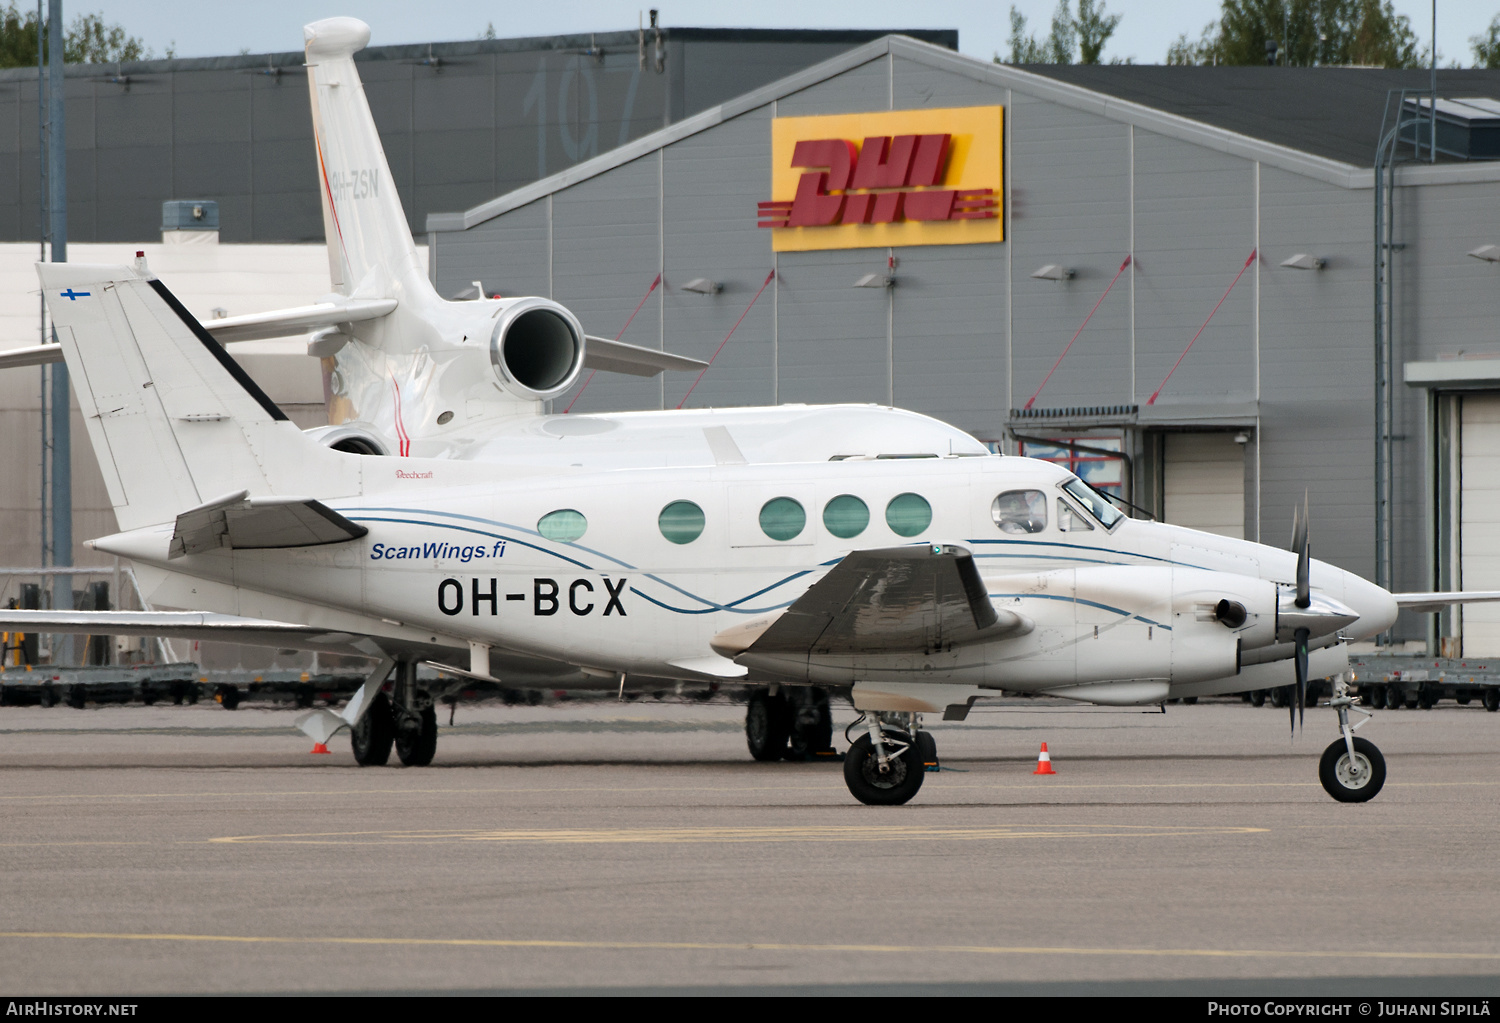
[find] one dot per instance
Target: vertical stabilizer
(174, 421)
(370, 249)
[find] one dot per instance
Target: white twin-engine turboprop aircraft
(776, 548)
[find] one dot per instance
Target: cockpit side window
(1071, 521)
(1097, 504)
(1020, 511)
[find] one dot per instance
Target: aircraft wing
(32, 355)
(1437, 601)
(240, 522)
(197, 625)
(896, 598)
(618, 357)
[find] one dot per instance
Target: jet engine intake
(536, 348)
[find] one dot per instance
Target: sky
(1146, 29)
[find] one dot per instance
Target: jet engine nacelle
(353, 438)
(536, 348)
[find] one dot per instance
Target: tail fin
(370, 249)
(174, 421)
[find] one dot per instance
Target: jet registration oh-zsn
(443, 518)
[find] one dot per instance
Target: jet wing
(926, 597)
(618, 357)
(1437, 601)
(33, 355)
(240, 522)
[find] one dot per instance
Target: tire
(48, 697)
(1336, 756)
(869, 786)
(416, 738)
(1279, 697)
(371, 739)
(1258, 698)
(1367, 697)
(1188, 701)
(229, 697)
(1394, 698)
(767, 725)
(1425, 700)
(811, 730)
(1492, 699)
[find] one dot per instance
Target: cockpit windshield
(1097, 504)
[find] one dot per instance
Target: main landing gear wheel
(1352, 780)
(373, 736)
(416, 737)
(897, 783)
(812, 725)
(768, 724)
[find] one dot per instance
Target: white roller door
(1479, 520)
(1203, 482)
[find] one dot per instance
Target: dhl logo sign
(900, 177)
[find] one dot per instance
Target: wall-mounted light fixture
(1055, 272)
(1302, 261)
(703, 286)
(1488, 253)
(875, 281)
(1243, 437)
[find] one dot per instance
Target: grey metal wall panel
(714, 72)
(279, 110)
(1317, 376)
(1070, 206)
(210, 172)
(866, 87)
(1194, 229)
(711, 232)
(508, 255)
(605, 238)
(833, 344)
(917, 86)
(949, 327)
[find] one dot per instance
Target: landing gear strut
(1352, 769)
(885, 766)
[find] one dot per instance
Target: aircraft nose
(1374, 605)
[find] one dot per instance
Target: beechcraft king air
(446, 519)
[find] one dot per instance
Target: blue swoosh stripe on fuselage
(1081, 600)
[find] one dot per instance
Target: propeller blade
(1300, 638)
(1300, 520)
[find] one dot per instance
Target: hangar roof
(1315, 124)
(1333, 112)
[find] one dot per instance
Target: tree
(1094, 29)
(1487, 47)
(88, 41)
(1304, 33)
(1086, 32)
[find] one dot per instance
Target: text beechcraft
(769, 547)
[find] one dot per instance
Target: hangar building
(1203, 238)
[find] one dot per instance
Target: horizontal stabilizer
(618, 357)
(925, 597)
(299, 320)
(240, 522)
(1437, 601)
(34, 355)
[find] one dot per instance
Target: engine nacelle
(354, 438)
(536, 348)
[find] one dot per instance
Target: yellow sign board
(890, 178)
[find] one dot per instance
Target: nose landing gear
(1352, 769)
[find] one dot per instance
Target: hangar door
(1203, 482)
(1479, 519)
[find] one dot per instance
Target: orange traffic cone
(321, 748)
(1044, 762)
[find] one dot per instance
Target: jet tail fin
(173, 419)
(368, 235)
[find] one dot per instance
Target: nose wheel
(1352, 769)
